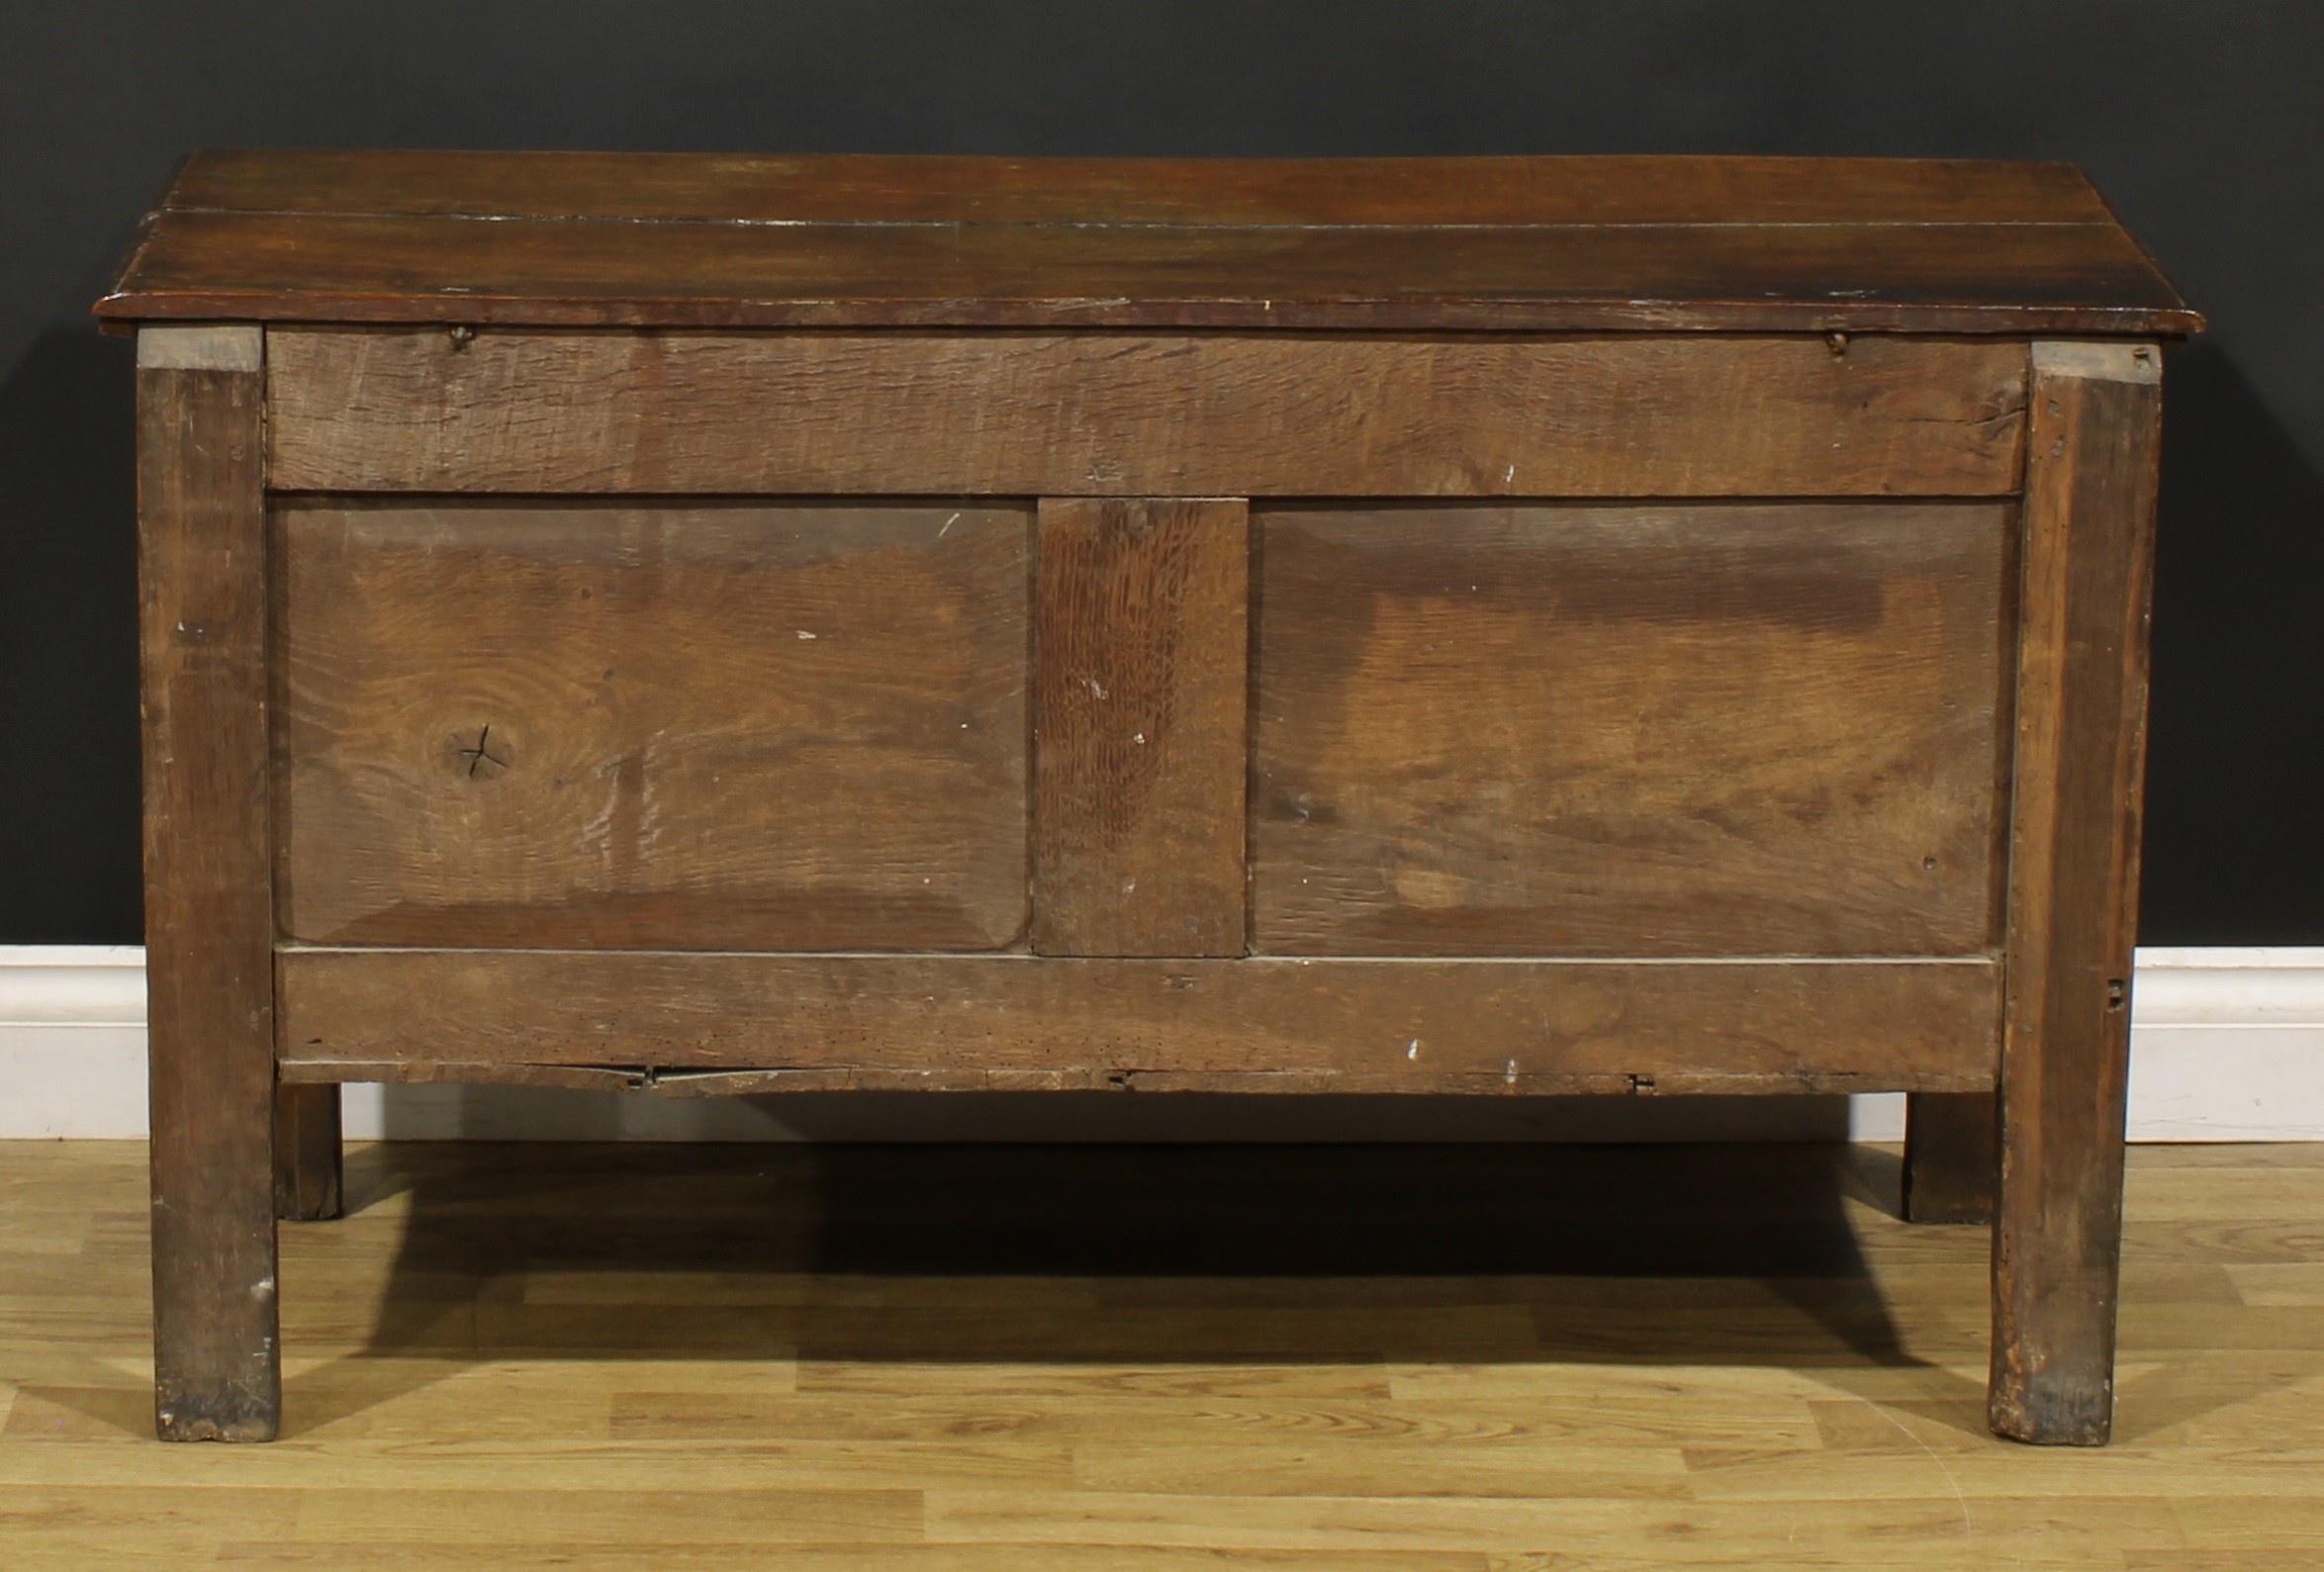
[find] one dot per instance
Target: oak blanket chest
(1510, 625)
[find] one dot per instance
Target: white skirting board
(2226, 1045)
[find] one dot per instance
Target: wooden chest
(1511, 626)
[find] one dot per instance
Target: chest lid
(1583, 244)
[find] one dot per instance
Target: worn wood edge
(2101, 362)
(2218, 1056)
(2034, 766)
(237, 346)
(204, 181)
(401, 1072)
(646, 1079)
(298, 952)
(322, 308)
(1787, 1025)
(238, 1412)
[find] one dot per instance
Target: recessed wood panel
(1140, 414)
(1028, 1022)
(1544, 730)
(1140, 693)
(763, 726)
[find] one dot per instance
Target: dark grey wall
(2203, 124)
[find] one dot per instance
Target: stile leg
(209, 901)
(2088, 521)
(1951, 1163)
(307, 1152)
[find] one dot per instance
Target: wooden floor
(1012, 1358)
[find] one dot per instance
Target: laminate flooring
(1446, 1357)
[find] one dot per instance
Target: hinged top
(1554, 244)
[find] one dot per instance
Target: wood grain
(1543, 730)
(309, 1176)
(2088, 521)
(1428, 193)
(1140, 693)
(1052, 415)
(1502, 245)
(1952, 1157)
(208, 922)
(1492, 1027)
(761, 726)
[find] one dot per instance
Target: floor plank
(1008, 1360)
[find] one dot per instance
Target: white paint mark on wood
(201, 348)
(2112, 361)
